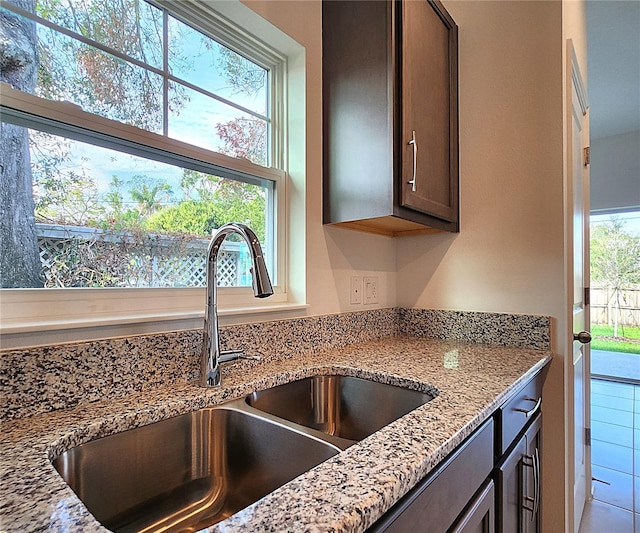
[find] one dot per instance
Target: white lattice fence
(77, 256)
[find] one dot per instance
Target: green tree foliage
(118, 216)
(210, 202)
(198, 185)
(115, 198)
(245, 138)
(189, 217)
(241, 205)
(615, 260)
(64, 194)
(149, 194)
(72, 198)
(615, 255)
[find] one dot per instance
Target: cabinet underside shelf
(389, 226)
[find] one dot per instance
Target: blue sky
(631, 220)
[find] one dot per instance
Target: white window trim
(30, 313)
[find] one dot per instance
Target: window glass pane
(107, 85)
(132, 27)
(100, 83)
(216, 68)
(208, 123)
(95, 217)
(109, 219)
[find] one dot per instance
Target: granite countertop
(348, 492)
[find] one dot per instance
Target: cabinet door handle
(536, 482)
(414, 143)
(529, 503)
(531, 411)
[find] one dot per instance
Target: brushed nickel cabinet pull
(536, 481)
(533, 409)
(414, 143)
(529, 503)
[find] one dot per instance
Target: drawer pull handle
(533, 409)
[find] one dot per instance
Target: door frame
(578, 357)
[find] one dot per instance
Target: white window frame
(42, 312)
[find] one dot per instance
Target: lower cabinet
(490, 483)
(518, 481)
(433, 506)
(480, 515)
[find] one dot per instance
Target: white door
(577, 224)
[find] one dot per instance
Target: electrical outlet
(355, 290)
(370, 289)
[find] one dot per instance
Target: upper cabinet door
(390, 105)
(429, 108)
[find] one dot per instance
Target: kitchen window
(145, 126)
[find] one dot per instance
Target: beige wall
(508, 256)
(333, 255)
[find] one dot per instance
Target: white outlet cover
(370, 289)
(355, 292)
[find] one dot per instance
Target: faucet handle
(227, 356)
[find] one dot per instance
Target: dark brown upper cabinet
(390, 112)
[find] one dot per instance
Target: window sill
(30, 334)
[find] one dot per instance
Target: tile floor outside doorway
(615, 449)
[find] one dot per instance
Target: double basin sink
(194, 470)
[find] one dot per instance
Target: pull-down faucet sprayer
(210, 359)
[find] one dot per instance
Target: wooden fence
(603, 306)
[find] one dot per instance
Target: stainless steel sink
(342, 406)
(187, 472)
(191, 471)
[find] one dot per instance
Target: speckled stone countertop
(346, 493)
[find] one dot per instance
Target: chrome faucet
(211, 354)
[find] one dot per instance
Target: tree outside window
(615, 270)
(129, 221)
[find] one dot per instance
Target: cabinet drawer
(517, 412)
(437, 500)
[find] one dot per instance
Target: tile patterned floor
(615, 456)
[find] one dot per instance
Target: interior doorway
(615, 369)
(613, 85)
